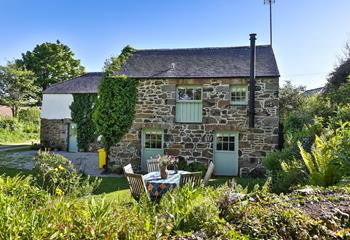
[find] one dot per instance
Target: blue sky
(308, 34)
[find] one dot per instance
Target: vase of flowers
(164, 162)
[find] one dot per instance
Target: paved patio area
(84, 161)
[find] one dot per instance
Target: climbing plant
(81, 113)
(115, 107)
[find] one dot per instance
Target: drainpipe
(252, 80)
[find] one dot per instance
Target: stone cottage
(202, 104)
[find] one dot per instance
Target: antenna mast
(270, 2)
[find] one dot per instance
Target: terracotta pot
(164, 172)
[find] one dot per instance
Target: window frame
(219, 140)
(153, 132)
(239, 86)
(188, 87)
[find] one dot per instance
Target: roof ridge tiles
(196, 48)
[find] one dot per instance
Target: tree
(17, 87)
(115, 107)
(291, 98)
(341, 72)
(51, 63)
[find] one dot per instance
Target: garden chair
(153, 165)
(137, 185)
(128, 169)
(208, 173)
(192, 178)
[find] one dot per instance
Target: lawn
(117, 188)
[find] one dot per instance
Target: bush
(284, 170)
(28, 212)
(58, 176)
(329, 160)
(192, 167)
(190, 210)
(29, 115)
(81, 112)
(9, 124)
(14, 131)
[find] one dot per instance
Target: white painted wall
(56, 106)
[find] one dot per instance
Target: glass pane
(189, 94)
(198, 94)
(219, 146)
(239, 94)
(232, 139)
(225, 146)
(225, 139)
(153, 137)
(147, 142)
(159, 144)
(181, 93)
(231, 146)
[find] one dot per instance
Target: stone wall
(54, 133)
(156, 109)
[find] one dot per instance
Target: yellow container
(102, 158)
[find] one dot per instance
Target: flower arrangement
(166, 160)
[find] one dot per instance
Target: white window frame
(238, 88)
(188, 87)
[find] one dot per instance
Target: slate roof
(181, 63)
(310, 92)
(199, 63)
(87, 83)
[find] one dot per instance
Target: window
(153, 140)
(189, 94)
(225, 142)
(189, 105)
(239, 94)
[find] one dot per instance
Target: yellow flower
(56, 169)
(60, 167)
(59, 192)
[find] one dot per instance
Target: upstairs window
(189, 94)
(239, 94)
(189, 104)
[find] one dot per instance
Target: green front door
(226, 154)
(73, 139)
(152, 145)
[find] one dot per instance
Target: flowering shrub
(58, 176)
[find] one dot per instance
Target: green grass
(117, 189)
(7, 137)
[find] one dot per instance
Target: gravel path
(86, 162)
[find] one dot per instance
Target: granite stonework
(54, 133)
(156, 109)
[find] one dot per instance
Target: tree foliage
(17, 87)
(51, 63)
(291, 98)
(81, 112)
(115, 107)
(341, 72)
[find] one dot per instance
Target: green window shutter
(239, 94)
(189, 104)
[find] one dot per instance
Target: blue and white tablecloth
(157, 186)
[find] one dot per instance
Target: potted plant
(164, 162)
